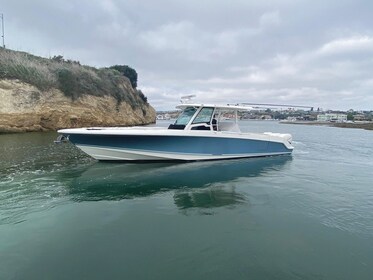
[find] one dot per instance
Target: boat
(201, 132)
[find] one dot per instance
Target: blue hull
(158, 147)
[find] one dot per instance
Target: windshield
(204, 116)
(185, 116)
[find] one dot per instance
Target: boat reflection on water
(195, 184)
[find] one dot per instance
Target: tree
(350, 116)
(58, 58)
(127, 71)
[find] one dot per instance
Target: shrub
(68, 83)
(16, 65)
(127, 71)
(73, 79)
(142, 96)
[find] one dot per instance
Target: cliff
(24, 108)
(38, 94)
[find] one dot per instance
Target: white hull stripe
(103, 153)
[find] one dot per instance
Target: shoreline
(366, 126)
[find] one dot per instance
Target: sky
(313, 53)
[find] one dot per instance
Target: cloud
(185, 38)
(270, 19)
(259, 51)
(177, 36)
(109, 6)
(348, 45)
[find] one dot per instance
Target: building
(164, 116)
(361, 117)
(332, 117)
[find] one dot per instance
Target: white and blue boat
(201, 132)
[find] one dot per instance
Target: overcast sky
(314, 53)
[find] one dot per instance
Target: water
(305, 216)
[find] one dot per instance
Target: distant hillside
(57, 89)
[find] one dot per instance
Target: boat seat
(214, 124)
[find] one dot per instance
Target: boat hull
(177, 147)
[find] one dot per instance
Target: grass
(73, 79)
(21, 66)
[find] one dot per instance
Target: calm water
(307, 216)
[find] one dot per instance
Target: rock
(24, 108)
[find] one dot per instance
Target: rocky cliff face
(25, 108)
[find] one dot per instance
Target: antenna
(186, 98)
(2, 28)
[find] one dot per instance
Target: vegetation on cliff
(73, 79)
(127, 71)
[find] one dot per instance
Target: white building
(332, 117)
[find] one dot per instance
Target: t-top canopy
(223, 106)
